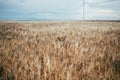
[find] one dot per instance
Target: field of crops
(58, 50)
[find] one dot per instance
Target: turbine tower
(83, 6)
(83, 9)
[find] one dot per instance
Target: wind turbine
(83, 6)
(83, 9)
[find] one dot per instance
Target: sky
(59, 9)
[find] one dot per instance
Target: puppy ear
(58, 38)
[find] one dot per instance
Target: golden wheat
(54, 50)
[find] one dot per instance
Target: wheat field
(59, 50)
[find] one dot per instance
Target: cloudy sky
(59, 9)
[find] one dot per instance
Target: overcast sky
(59, 9)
